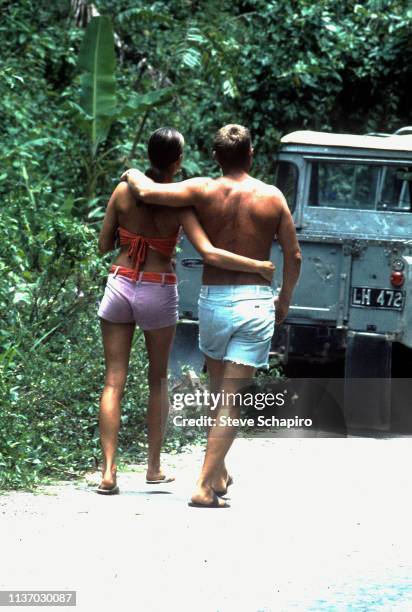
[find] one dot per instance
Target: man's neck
(235, 175)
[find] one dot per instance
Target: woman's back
(144, 220)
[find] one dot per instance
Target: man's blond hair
(232, 145)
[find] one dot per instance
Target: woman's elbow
(209, 256)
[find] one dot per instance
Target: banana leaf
(139, 103)
(98, 84)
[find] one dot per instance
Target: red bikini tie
(137, 252)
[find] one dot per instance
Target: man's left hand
(137, 181)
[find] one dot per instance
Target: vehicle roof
(327, 139)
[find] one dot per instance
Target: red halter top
(139, 245)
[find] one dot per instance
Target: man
(236, 309)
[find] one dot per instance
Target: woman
(141, 290)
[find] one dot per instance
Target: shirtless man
(236, 309)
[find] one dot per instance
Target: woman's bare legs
(117, 342)
(158, 344)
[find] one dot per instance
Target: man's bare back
(241, 215)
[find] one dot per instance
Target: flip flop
(161, 481)
(112, 491)
(214, 504)
(228, 483)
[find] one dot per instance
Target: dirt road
(314, 525)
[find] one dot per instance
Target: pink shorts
(149, 305)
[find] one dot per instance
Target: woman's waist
(154, 262)
(130, 275)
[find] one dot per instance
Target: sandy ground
(314, 525)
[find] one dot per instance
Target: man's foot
(157, 477)
(221, 485)
(205, 497)
(215, 503)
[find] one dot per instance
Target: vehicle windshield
(360, 186)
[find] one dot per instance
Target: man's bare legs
(220, 436)
(117, 342)
(216, 371)
(158, 344)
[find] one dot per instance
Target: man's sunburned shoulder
(268, 189)
(200, 185)
(268, 192)
(208, 188)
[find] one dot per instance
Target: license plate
(371, 297)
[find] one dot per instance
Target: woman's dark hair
(164, 148)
